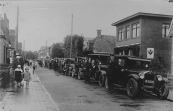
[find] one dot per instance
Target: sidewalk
(35, 98)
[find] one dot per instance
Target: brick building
(4, 39)
(144, 34)
(104, 43)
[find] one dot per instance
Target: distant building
(20, 47)
(44, 52)
(12, 38)
(4, 39)
(104, 43)
(88, 43)
(101, 43)
(144, 35)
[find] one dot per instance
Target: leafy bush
(157, 66)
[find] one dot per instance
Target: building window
(121, 34)
(165, 30)
(135, 30)
(127, 32)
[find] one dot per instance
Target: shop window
(165, 30)
(135, 30)
(127, 32)
(121, 34)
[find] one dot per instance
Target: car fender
(103, 72)
(133, 76)
(165, 80)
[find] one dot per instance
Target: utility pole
(17, 28)
(71, 37)
(46, 48)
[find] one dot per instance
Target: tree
(77, 45)
(57, 51)
(31, 55)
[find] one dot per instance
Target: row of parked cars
(131, 73)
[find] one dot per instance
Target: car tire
(132, 88)
(79, 76)
(106, 83)
(101, 80)
(163, 91)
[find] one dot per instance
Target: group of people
(21, 71)
(55, 64)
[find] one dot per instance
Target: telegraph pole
(71, 37)
(17, 28)
(46, 48)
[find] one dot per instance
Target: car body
(98, 63)
(135, 75)
(69, 65)
(78, 69)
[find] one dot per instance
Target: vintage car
(78, 69)
(98, 63)
(135, 75)
(68, 66)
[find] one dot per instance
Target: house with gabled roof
(100, 44)
(104, 43)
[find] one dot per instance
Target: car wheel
(79, 75)
(163, 91)
(106, 83)
(132, 88)
(101, 80)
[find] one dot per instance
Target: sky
(51, 21)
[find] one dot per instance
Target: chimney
(99, 33)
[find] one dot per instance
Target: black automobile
(135, 75)
(79, 68)
(98, 64)
(68, 67)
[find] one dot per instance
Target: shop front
(131, 50)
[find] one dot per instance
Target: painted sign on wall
(150, 53)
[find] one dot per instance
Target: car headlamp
(141, 75)
(159, 77)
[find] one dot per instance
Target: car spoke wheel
(101, 80)
(106, 83)
(163, 91)
(132, 88)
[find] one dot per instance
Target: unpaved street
(70, 94)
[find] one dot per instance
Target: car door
(121, 70)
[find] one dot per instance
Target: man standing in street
(110, 72)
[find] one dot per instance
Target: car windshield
(100, 58)
(138, 64)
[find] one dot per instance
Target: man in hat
(110, 72)
(18, 61)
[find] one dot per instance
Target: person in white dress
(27, 77)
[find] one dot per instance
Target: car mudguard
(133, 76)
(165, 80)
(103, 72)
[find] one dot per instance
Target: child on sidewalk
(18, 75)
(27, 77)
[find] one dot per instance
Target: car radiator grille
(149, 80)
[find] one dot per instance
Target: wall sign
(150, 53)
